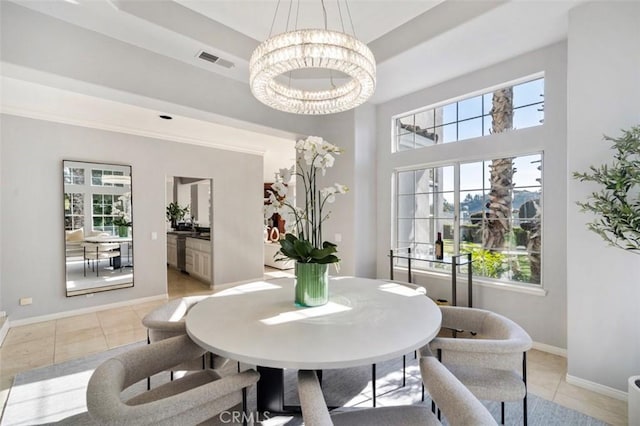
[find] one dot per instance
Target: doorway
(189, 231)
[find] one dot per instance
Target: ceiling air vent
(215, 59)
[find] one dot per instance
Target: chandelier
(301, 49)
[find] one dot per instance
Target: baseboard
(597, 388)
(554, 350)
(4, 329)
(89, 310)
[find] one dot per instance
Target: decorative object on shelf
(304, 243)
(617, 204)
(274, 235)
(439, 247)
(176, 213)
(304, 49)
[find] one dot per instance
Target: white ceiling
(254, 18)
(417, 44)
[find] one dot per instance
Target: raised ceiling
(417, 44)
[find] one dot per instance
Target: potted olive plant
(617, 204)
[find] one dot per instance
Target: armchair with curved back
(491, 361)
(168, 321)
(458, 404)
(189, 400)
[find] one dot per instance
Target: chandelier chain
(274, 19)
(340, 14)
(353, 29)
(324, 14)
(289, 15)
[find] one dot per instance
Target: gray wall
(40, 42)
(543, 316)
(603, 282)
(32, 245)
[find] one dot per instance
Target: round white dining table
(366, 321)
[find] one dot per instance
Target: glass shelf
(454, 260)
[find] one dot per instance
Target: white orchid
(286, 174)
(342, 189)
(280, 188)
(328, 194)
(314, 155)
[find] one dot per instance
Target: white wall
(603, 282)
(544, 317)
(353, 214)
(32, 244)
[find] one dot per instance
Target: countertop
(190, 234)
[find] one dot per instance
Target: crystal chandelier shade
(312, 48)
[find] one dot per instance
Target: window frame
(456, 236)
(395, 136)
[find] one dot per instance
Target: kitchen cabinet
(198, 258)
(172, 250)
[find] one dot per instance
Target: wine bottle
(439, 247)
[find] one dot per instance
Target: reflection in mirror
(98, 227)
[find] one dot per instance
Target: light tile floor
(51, 342)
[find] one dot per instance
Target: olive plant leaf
(617, 205)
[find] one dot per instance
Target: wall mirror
(98, 227)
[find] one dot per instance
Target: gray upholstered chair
(491, 361)
(168, 321)
(457, 403)
(316, 413)
(189, 400)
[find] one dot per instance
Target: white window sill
(462, 281)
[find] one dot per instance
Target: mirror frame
(109, 244)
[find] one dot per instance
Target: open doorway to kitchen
(189, 213)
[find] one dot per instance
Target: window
(108, 178)
(512, 107)
(491, 208)
(102, 208)
(73, 210)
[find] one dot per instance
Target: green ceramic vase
(312, 284)
(123, 231)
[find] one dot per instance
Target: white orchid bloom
(280, 188)
(269, 210)
(286, 174)
(328, 194)
(309, 157)
(324, 162)
(342, 189)
(272, 198)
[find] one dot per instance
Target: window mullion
(456, 207)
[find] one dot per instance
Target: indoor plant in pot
(616, 204)
(304, 243)
(176, 213)
(121, 209)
